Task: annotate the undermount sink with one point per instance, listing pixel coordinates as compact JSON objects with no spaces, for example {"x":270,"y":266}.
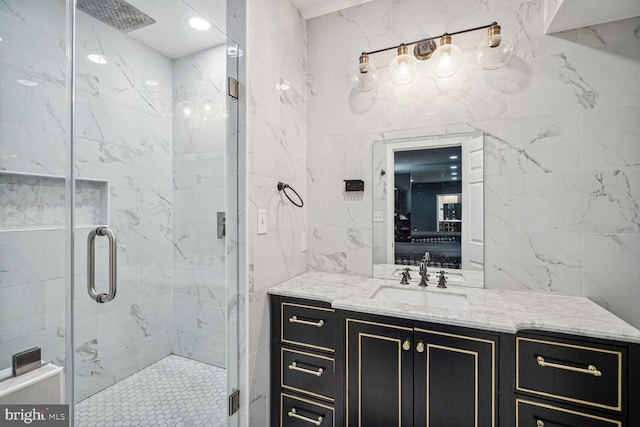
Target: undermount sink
{"x":423,"y":297}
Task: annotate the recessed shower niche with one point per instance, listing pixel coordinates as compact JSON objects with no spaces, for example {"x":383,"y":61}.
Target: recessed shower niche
{"x":34,"y":202}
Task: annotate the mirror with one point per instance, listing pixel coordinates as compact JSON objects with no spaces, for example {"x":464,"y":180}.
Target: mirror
{"x":428,"y":204}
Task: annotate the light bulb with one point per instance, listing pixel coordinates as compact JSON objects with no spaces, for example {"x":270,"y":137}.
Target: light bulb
{"x":365,"y":77}
{"x":207,"y":108}
{"x":403,"y":67}
{"x":447,"y":59}
{"x":495,"y":50}
{"x":186,"y":110}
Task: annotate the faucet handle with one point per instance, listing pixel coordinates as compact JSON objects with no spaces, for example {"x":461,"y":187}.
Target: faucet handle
{"x":442,"y":279}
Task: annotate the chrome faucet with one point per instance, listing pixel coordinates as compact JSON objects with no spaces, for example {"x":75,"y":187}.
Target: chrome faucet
{"x":423,"y":270}
{"x":442,"y":280}
{"x":405,"y":276}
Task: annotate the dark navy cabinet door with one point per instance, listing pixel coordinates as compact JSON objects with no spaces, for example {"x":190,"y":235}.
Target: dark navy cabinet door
{"x":455,"y":382}
{"x":379,"y":365}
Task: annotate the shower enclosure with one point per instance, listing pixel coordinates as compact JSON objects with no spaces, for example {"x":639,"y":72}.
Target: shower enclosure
{"x":118,"y":204}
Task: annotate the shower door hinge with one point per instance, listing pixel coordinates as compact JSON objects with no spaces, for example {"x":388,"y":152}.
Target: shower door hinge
{"x":233,"y":88}
{"x":234,"y":402}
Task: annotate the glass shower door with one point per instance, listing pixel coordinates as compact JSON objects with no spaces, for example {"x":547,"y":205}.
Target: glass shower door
{"x":155,"y":267}
{"x":34,"y":140}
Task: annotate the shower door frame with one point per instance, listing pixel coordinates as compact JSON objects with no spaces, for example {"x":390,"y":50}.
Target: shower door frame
{"x":234,"y":226}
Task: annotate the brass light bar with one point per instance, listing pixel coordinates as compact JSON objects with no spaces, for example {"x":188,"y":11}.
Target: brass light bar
{"x":429,"y":39}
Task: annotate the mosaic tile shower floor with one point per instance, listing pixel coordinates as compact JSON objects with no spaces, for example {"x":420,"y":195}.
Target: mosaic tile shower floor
{"x":172,"y":392}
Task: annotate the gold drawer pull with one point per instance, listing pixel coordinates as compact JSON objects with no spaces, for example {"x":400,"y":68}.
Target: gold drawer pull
{"x":294,"y":367}
{"x":294,"y":319}
{"x":539,"y":423}
{"x":590,"y":370}
{"x":420,"y":347}
{"x":293,"y":414}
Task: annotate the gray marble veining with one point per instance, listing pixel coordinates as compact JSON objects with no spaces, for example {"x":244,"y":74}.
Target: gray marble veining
{"x":489,"y":309}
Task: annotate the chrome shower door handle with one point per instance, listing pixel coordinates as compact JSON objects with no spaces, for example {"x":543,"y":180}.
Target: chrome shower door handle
{"x":91,"y":265}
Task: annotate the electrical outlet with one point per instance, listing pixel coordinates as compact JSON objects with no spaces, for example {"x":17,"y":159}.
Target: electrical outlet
{"x":262,"y":221}
{"x":303,"y":241}
{"x":378,"y":216}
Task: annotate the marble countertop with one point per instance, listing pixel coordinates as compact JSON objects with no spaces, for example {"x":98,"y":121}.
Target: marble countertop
{"x":488,"y":309}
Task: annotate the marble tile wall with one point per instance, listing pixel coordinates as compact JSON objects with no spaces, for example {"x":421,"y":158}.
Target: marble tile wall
{"x":123,"y":135}
{"x":32,"y":50}
{"x":562,"y":162}
{"x":277,"y":147}
{"x":200,"y":175}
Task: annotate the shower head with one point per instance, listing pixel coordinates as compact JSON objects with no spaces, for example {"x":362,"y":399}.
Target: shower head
{"x":116,"y":13}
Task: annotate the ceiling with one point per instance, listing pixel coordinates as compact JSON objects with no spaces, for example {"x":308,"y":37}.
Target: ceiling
{"x":429,"y":164}
{"x":312,"y":8}
{"x":172,"y":35}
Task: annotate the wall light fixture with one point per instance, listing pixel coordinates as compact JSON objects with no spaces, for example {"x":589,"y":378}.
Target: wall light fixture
{"x":365,"y":76}
{"x":494,"y":52}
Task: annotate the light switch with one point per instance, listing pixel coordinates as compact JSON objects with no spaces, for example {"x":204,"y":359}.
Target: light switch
{"x":378,"y":217}
{"x":303,"y":241}
{"x":262,"y":221}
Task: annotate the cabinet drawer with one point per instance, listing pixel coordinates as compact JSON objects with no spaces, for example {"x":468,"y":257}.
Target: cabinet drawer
{"x":307,"y":326}
{"x":534,"y":414}
{"x":308,"y":373}
{"x":297,"y":412}
{"x":588,"y":375}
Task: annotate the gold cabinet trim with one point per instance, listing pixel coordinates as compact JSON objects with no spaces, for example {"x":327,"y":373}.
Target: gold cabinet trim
{"x":570,"y":399}
{"x":312,"y":307}
{"x":384,"y":325}
{"x":615,"y":423}
{"x":379,"y":337}
{"x":457,"y":350}
{"x":317,"y":347}
{"x":300,"y":399}
{"x":283,"y":385}
{"x":446,"y":334}
{"x":348,"y":321}
{"x":493,"y":363}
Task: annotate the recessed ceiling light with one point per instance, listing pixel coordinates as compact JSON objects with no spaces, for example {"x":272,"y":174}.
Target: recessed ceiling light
{"x":199,"y":23}
{"x":151,"y":83}
{"x":28,"y":83}
{"x":453,"y":167}
{"x":411,"y":180}
{"x":454,"y":173}
{"x":455,"y":178}
{"x":453,"y":157}
{"x":97,"y":59}
{"x":1,"y":39}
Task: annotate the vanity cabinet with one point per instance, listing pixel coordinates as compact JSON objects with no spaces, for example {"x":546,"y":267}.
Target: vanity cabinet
{"x":563,"y":380}
{"x":418,"y":374}
{"x":341,"y":368}
{"x":304,"y":382}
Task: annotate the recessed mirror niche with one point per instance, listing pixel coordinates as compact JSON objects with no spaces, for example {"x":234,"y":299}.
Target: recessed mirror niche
{"x":428,"y":205}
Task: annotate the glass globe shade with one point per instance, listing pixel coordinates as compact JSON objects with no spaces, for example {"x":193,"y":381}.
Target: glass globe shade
{"x":365,"y":77}
{"x":446,"y":60}
{"x":403,"y":68}
{"x":494,"y":51}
